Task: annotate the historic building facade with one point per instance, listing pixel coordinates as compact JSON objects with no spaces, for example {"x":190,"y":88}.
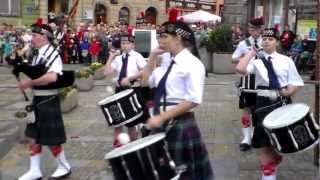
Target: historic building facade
{"x":24,"y":12}
{"x":275,"y":11}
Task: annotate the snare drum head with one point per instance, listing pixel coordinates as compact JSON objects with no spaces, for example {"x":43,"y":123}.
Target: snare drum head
{"x":114,"y":97}
{"x":135,"y":145}
{"x":285,"y":115}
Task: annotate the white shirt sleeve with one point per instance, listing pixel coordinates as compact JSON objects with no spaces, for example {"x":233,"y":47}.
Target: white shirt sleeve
{"x":239,"y":51}
{"x":293,"y":76}
{"x":152,"y":79}
{"x":251,"y":67}
{"x":115,"y":63}
{"x":195,"y":84}
{"x":141,"y":62}
{"x":56,"y":65}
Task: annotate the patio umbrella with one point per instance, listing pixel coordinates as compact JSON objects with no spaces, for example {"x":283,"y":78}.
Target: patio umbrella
{"x":200,"y":16}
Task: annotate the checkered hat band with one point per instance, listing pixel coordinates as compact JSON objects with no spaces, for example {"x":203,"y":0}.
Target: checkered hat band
{"x":268,"y":33}
{"x":183,"y":33}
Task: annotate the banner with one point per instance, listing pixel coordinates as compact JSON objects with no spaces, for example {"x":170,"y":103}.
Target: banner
{"x":307,"y":29}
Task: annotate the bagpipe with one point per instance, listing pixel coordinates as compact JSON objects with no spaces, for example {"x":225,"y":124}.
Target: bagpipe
{"x":65,"y":79}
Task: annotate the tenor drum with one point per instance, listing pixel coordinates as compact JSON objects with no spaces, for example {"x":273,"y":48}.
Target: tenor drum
{"x":121,"y":108}
{"x":247,"y":83}
{"x":144,"y":159}
{"x":292,"y":128}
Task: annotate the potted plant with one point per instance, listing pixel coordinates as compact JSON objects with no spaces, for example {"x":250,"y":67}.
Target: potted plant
{"x":98,"y":69}
{"x":205,"y":55}
{"x":68,"y":98}
{"x":219,"y":42}
{"x":84,"y":79}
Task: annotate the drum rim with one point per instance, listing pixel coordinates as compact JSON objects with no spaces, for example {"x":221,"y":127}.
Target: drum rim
{"x":134,"y":145}
{"x":270,"y":117}
{"x":114,"y":97}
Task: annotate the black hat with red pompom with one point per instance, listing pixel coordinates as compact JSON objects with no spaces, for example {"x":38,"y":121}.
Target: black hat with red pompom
{"x":176,"y":27}
{"x":42,"y":29}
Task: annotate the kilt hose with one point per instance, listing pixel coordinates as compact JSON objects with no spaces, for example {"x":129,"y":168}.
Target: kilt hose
{"x":48,"y":128}
{"x":187,"y":148}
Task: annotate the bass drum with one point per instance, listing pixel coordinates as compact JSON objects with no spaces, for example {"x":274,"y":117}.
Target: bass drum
{"x":144,"y":159}
{"x":121,"y":108}
{"x":292,"y":128}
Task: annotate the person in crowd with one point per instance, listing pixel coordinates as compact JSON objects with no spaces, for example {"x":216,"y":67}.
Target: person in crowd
{"x":286,"y":39}
{"x":47,"y":129}
{"x":179,"y":88}
{"x":237,"y":35}
{"x":94,"y":49}
{"x":277,"y":74}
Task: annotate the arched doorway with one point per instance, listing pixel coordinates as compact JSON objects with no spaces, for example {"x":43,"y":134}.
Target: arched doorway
{"x":151,"y":15}
{"x":124,"y":15}
{"x":100,"y":14}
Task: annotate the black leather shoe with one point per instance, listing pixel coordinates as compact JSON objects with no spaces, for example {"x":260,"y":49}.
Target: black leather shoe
{"x":244,"y":147}
{"x":60,"y":177}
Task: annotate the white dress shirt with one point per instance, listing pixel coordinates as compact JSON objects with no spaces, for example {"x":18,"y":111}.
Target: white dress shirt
{"x":44,"y":54}
{"x":283,"y":66}
{"x":135,"y":63}
{"x":185,"y":82}
{"x":243,"y":48}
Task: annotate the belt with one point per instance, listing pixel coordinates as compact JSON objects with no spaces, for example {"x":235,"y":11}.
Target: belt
{"x":272,"y":94}
{"x":169,"y":105}
{"x":45,"y":92}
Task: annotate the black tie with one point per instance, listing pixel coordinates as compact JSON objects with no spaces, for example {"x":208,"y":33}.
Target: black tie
{"x":273,"y":80}
{"x":123,"y":71}
{"x":161,"y":88}
{"x":256,"y":43}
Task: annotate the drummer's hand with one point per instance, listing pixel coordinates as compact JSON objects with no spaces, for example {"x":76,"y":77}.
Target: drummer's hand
{"x":24,"y":84}
{"x":113,"y":53}
{"x":284,"y":92}
{"x":157,"y":51}
{"x":154,"y":122}
{"x":125,"y":82}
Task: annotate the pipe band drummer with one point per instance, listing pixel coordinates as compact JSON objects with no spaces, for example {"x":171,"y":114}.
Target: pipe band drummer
{"x":179,"y":86}
{"x":277,"y":80}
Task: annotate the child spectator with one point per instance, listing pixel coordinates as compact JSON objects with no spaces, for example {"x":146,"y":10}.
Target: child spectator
{"x":94,"y":49}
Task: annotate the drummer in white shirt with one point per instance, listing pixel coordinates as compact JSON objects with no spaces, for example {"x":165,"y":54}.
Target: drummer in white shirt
{"x":127,"y":67}
{"x":277,"y":81}
{"x":247,"y":100}
{"x":179,"y":86}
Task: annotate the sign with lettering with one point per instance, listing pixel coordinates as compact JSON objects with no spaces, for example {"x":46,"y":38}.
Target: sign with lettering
{"x":191,"y":5}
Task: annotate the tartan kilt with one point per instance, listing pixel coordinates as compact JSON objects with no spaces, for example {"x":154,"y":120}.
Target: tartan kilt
{"x":187,"y":148}
{"x":260,"y":137}
{"x":143,"y":96}
{"x":48,"y":128}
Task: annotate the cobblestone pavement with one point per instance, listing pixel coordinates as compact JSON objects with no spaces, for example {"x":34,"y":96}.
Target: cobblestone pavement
{"x":89,"y":137}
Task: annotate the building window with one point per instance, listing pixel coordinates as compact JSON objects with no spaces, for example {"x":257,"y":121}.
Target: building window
{"x":124,"y":14}
{"x":10,"y":8}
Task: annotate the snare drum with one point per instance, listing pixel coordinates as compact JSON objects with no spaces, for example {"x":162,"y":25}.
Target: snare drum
{"x":121,"y":108}
{"x":145,"y":158}
{"x":291,"y":128}
{"x":247,"y":83}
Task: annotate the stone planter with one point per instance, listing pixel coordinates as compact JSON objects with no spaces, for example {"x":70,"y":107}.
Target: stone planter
{"x":222,"y":64}
{"x":84,"y":84}
{"x":69,"y":102}
{"x":99,"y":74}
{"x":206,"y":59}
